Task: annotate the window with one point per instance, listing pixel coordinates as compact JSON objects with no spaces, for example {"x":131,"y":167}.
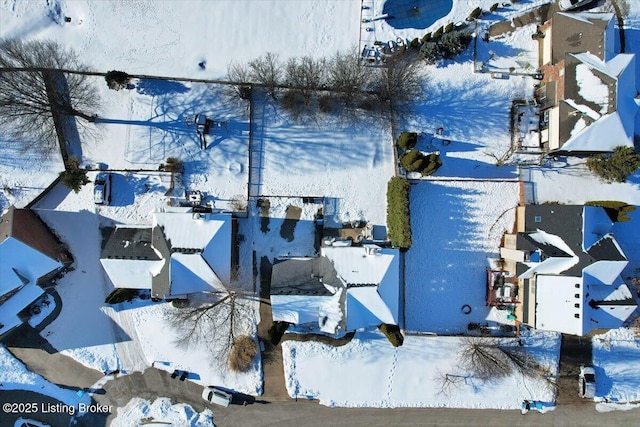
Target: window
{"x":577,"y":315}
{"x":576,"y":305}
{"x":577,"y":285}
{"x":576,"y":295}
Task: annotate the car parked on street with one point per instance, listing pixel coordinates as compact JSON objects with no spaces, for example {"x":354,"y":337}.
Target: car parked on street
{"x":587,"y":382}
{"x":102,"y":189}
{"x":215,"y":395}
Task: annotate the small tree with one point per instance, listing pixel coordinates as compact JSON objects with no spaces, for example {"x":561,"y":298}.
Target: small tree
{"x":615,"y":166}
{"x":243,"y":352}
{"x":117,"y":80}
{"x":239,"y":73}
{"x":73,"y":176}
{"x":347,"y":76}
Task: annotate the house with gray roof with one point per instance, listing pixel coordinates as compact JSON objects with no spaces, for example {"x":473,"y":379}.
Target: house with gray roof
{"x":589,"y":95}
{"x":566,"y":264}
{"x":345,"y":288}
{"x":181,"y":253}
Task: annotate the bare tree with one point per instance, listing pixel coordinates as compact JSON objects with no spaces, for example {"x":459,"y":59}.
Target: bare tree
{"x":347,"y":76}
{"x":306,"y":75}
{"x":486,"y":360}
{"x":399,"y":82}
{"x":215,"y":320}
{"x":267,"y":71}
{"x":238,"y":73}
{"x":37,"y":97}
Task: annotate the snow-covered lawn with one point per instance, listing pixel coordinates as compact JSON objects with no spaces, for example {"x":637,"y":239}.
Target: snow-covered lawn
{"x":15,"y":376}
{"x":176,"y":36}
{"x":616,"y":358}
{"x":456,"y":229}
{"x":161,"y":412}
{"x":370,"y":372}
{"x":349,"y":160}
{"x":569,"y":181}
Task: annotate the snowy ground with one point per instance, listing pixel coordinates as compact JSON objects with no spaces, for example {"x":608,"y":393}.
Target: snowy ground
{"x":456,"y":227}
{"x":370,"y":372}
{"x":616,"y":358}
{"x":161,"y":412}
{"x":177,"y":36}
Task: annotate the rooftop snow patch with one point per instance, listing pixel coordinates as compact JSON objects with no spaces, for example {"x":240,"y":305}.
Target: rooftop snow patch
{"x":591,"y":87}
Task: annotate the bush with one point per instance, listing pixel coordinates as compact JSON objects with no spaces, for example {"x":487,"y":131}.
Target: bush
{"x":415,"y":43}
{"x":616,"y":166}
{"x":326,"y":103}
{"x":430,"y":52}
{"x":493,"y":7}
{"x":449,"y":27}
{"x":415,"y":161}
{"x":293,"y":100}
{"x":393,"y":334}
{"x":407,"y":140}
{"x":426,"y":38}
{"x":617,"y":211}
{"x":117,"y":80}
{"x":398,"y":215}
{"x":475,"y":13}
{"x":438,"y":33}
{"x":276,"y":331}
{"x":243,"y":352}
{"x":120,"y":295}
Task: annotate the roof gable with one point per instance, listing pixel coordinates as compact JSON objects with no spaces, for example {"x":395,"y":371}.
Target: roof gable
{"x":19,"y":258}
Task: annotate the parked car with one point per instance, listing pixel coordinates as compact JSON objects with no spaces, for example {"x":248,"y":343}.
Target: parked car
{"x":102,"y":189}
{"x":572,"y":4}
{"x":587,"y":382}
{"x":24,"y":422}
{"x":215,"y":395}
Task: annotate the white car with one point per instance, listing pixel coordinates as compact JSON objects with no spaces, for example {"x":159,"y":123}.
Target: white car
{"x":24,"y":422}
{"x":572,"y":4}
{"x":217,"y":396}
{"x":102,"y":189}
{"x":587,"y":382}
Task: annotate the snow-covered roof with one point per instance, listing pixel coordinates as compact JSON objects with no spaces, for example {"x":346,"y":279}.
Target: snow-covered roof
{"x":190,"y":273}
{"x":131,"y":273}
{"x":595,"y":224}
{"x":19,"y":260}
{"x":11,"y":307}
{"x":611,"y":125}
{"x":372,"y":276}
{"x":604,"y":272}
{"x":297,"y":309}
{"x":552,"y":264}
{"x":588,"y":17}
{"x":209,"y":233}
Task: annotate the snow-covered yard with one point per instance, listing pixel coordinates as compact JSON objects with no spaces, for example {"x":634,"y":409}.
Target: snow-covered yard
{"x":456,"y":229}
{"x":370,"y":372}
{"x":161,"y":411}
{"x":616,"y":358}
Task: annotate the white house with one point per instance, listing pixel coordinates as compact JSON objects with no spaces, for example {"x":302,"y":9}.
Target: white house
{"x":182,"y":253}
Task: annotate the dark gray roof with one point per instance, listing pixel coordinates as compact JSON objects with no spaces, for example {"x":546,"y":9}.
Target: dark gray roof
{"x":303,"y":277}
{"x":571,"y":34}
{"x":130,"y":243}
{"x":562,"y":220}
{"x":606,"y":250}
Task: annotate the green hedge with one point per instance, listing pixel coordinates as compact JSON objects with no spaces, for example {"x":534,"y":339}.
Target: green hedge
{"x":617,"y":211}
{"x":393,"y":334}
{"x":398,"y":216}
{"x":415,"y":161}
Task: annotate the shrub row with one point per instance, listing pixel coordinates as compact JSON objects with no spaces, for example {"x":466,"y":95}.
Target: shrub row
{"x":407,"y":140}
{"x":398,"y":216}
